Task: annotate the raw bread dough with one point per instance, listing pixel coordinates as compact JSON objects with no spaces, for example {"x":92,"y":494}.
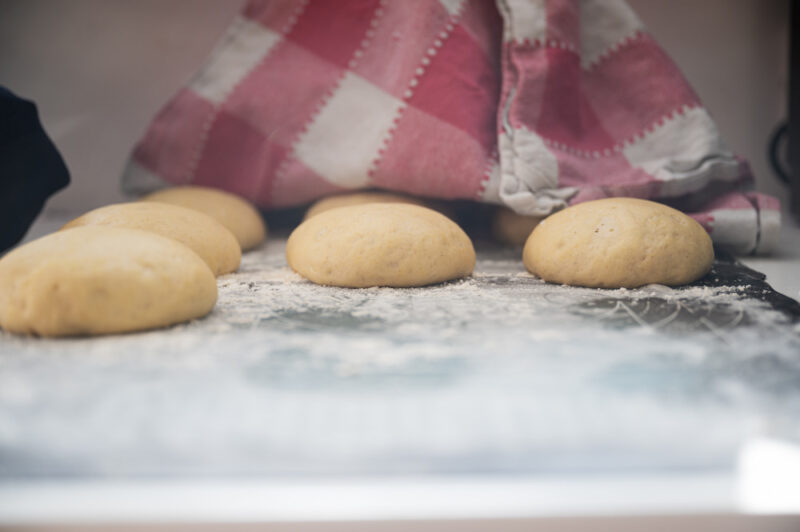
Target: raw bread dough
{"x":380,"y":244}
{"x":99,"y":280}
{"x":511,"y":228}
{"x":619,"y":242}
{"x":359,"y":198}
{"x":204,"y":235}
{"x":235,"y":213}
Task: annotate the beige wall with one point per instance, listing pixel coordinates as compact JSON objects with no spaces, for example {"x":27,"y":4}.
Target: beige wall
{"x":735,"y":55}
{"x":99,"y":69}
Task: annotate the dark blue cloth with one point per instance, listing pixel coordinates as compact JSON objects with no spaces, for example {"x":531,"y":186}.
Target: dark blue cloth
{"x":31,"y":169}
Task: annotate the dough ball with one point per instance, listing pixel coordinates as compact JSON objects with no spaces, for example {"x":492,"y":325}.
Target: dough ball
{"x":202,"y":234}
{"x":511,"y":228}
{"x":235,"y":213}
{"x":99,"y":280}
{"x":619,"y":242}
{"x":359,"y":198}
{"x":380,"y":244}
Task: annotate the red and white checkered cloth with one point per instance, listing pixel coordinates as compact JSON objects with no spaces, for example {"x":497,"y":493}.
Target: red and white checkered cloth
{"x":531,"y":103}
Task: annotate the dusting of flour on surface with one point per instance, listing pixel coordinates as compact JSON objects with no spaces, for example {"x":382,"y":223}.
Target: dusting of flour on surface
{"x":499,"y":372}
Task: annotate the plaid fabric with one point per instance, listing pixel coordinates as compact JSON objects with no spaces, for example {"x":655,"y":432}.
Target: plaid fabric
{"x":530,"y":103}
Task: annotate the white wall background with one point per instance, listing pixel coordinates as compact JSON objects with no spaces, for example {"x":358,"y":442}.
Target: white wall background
{"x":99,"y":70}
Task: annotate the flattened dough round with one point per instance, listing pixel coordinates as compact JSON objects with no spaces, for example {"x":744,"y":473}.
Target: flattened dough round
{"x":511,"y":228}
{"x":359,"y":198}
{"x":201,"y":233}
{"x":100,"y":280}
{"x":380,"y":244}
{"x":619,"y":242}
{"x":235,"y":213}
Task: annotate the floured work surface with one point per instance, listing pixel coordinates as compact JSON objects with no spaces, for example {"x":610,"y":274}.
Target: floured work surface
{"x":500,"y":373}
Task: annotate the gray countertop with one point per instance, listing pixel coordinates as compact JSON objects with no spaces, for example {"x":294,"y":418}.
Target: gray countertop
{"x":499,"y":378}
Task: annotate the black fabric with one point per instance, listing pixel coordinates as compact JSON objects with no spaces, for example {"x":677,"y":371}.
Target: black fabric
{"x":31,"y":169}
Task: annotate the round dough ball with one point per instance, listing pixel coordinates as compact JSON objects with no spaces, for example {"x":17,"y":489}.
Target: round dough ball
{"x":511,"y":228}
{"x":202,"y":234}
{"x":380,"y":244}
{"x":100,"y":280}
{"x":619,"y":242}
{"x":235,"y":213}
{"x":359,"y":198}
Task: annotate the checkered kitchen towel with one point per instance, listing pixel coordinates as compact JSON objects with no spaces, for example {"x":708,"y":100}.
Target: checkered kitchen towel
{"x":535,"y":104}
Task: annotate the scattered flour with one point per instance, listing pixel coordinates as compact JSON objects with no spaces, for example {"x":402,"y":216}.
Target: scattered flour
{"x":497,"y":372}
